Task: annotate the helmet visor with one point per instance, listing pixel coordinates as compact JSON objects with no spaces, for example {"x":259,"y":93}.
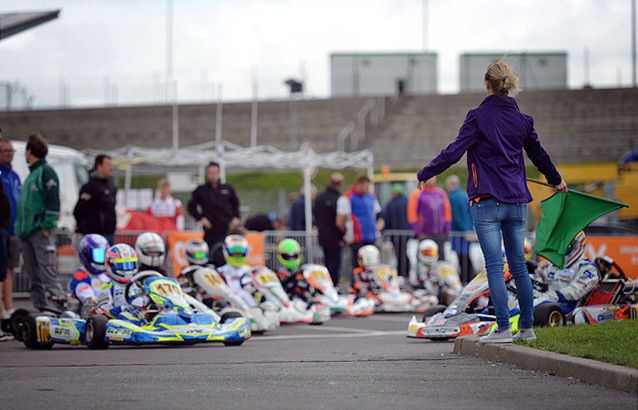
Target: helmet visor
{"x":98,"y":255}
{"x":289,"y":256}
{"x":199,"y":255}
{"x":124,"y":264}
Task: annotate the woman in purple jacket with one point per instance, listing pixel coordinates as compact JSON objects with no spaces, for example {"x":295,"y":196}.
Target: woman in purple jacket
{"x":494,"y":136}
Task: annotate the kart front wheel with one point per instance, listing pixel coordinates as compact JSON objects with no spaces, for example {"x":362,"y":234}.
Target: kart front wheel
{"x":549,"y":314}
{"x":95,"y":332}
{"x":32,"y":337}
{"x":233,"y":343}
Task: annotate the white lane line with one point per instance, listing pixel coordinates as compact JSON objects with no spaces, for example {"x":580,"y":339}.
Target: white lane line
{"x":390,"y":318}
{"x":329,"y":336}
{"x":335,"y":328}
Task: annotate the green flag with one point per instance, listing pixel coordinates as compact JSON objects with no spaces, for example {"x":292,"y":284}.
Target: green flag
{"x":564,"y":215}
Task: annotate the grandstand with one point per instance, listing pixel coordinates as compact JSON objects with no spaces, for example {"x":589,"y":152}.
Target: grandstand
{"x":588,"y":125}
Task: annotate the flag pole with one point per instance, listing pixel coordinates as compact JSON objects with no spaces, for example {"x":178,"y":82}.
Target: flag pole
{"x":539,"y":182}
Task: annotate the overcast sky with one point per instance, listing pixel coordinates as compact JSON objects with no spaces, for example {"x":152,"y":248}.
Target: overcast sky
{"x":114,"y":51}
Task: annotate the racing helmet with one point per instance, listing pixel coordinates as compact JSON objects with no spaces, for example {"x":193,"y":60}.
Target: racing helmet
{"x":150,"y":249}
{"x":428,"y":251}
{"x":289,"y":253}
{"x":369,"y":257}
{"x":575,"y":250}
{"x":92,"y":253}
{"x":235,"y":250}
{"x":121,"y":262}
{"x":196,"y":252}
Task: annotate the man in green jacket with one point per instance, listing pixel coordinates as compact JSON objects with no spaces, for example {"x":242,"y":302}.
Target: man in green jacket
{"x":38,"y":210}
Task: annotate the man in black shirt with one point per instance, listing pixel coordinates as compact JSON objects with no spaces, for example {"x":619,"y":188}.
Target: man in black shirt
{"x":216,"y":205}
{"x":95,"y":209}
{"x":330,"y":237}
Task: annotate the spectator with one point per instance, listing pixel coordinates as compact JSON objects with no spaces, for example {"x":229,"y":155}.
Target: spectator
{"x":461,"y":226}
{"x":494,"y":136}
{"x":216,"y":205}
{"x":95,"y":210}
{"x":165,"y":206}
{"x":285,"y":216}
{"x":298,"y":210}
{"x":359,"y":216}
{"x":434,"y":215}
{"x":38,"y":211}
{"x":264,"y":222}
{"x":330,"y":236}
{"x":5,"y":240}
{"x":395,"y":216}
{"x":12,"y":186}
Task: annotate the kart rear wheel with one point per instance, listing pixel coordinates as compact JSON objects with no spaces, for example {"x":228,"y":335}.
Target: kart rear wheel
{"x":549,"y":314}
{"x":95,"y":332}
{"x":29,"y":334}
{"x":431,"y":311}
{"x":13,"y":325}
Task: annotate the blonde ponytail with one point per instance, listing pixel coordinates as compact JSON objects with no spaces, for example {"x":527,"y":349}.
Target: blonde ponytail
{"x":502,"y":79}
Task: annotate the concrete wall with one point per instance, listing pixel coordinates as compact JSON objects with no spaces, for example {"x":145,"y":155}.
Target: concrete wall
{"x":574,"y":126}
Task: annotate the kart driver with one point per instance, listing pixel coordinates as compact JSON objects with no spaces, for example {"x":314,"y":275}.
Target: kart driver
{"x":90,"y":284}
{"x":121,"y":265}
{"x":150,"y":250}
{"x":574,"y":281}
{"x":197,"y":256}
{"x":290,"y":272}
{"x":236,"y":273}
{"x":369,"y":259}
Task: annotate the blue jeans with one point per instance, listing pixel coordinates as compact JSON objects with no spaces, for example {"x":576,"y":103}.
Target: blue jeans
{"x":491,"y":217}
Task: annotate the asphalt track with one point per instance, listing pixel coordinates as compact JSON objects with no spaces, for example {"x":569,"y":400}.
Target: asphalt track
{"x":348,"y":363}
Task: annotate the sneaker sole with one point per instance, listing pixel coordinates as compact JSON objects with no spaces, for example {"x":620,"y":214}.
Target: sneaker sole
{"x":497,"y":341}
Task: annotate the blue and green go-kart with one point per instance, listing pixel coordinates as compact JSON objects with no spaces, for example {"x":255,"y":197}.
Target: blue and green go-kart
{"x":167,"y":316}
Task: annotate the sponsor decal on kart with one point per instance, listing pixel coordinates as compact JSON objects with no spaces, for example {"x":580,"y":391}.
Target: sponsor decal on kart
{"x":118,"y":334}
{"x":440,"y":330}
{"x":62,"y":332}
{"x":43,"y":334}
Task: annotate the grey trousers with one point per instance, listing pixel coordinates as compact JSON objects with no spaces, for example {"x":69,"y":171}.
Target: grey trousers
{"x":39,"y":254}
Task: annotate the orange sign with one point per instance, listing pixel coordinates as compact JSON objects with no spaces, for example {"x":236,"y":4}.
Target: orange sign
{"x":177,"y":239}
{"x":622,"y":249}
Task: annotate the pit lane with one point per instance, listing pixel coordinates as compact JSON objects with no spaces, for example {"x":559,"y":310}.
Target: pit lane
{"x":347,"y":363}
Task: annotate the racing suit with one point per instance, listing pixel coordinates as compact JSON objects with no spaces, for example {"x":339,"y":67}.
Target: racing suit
{"x":295,"y":284}
{"x":569,"y":285}
{"x":239,"y":280}
{"x":363,"y":283}
{"x":98,"y":290}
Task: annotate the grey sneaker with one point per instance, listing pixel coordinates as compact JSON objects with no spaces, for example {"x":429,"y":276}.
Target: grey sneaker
{"x":5,"y":337}
{"x":525,"y":334}
{"x":498,"y":336}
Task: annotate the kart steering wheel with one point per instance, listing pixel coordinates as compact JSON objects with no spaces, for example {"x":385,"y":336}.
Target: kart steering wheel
{"x":138,"y":278}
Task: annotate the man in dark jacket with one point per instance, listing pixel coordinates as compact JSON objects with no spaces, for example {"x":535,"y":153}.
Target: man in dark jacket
{"x":95,"y":210}
{"x":395,"y":216}
{"x":330,"y":237}
{"x":216,"y":205}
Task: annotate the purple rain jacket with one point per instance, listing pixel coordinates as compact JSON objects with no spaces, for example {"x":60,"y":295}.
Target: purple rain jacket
{"x":494,"y":136}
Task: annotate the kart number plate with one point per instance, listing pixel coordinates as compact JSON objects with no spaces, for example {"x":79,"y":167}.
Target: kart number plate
{"x":440,"y":330}
{"x":213,"y":279}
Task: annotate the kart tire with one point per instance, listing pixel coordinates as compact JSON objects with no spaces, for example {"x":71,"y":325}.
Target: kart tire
{"x":433,"y":310}
{"x":29,"y":334}
{"x":549,"y":314}
{"x":95,"y":332}
{"x":229,"y":315}
{"x":14,"y":323}
{"x":233,"y":343}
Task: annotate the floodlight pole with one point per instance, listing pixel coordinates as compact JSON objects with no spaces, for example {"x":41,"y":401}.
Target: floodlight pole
{"x":175,"y":117}
{"x":253,"y":116}
{"x":169,"y":48}
{"x":633,"y":43}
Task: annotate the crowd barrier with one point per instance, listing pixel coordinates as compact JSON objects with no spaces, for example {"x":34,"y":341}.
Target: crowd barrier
{"x":398,"y":249}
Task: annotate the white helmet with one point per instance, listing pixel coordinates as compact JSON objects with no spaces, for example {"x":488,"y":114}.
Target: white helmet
{"x":150,"y":249}
{"x":369,"y":257}
{"x":196,"y":252}
{"x":428,"y":251}
{"x":576,"y":249}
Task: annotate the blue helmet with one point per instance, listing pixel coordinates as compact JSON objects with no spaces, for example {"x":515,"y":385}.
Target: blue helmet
{"x":121,"y":262}
{"x":92,"y":253}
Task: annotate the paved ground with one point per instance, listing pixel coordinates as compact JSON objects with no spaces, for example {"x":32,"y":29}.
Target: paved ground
{"x":349,"y":363}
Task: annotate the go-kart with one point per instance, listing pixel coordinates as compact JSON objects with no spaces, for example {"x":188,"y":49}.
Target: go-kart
{"x":319,"y":279}
{"x":267,"y":284}
{"x":388,"y":296}
{"x":466,"y":315}
{"x":167,"y":317}
{"x":440,"y":279}
{"x":614,"y":297}
{"x":207,"y":285}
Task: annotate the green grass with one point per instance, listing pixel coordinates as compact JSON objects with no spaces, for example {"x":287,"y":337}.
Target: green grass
{"x":610,"y":342}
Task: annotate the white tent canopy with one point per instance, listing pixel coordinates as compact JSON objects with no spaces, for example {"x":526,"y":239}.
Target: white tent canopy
{"x":229,"y":155}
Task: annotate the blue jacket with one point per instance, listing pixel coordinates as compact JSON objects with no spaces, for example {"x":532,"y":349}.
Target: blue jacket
{"x":461,"y":217}
{"x":494,"y":136}
{"x":395,"y":214}
{"x":12,"y":185}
